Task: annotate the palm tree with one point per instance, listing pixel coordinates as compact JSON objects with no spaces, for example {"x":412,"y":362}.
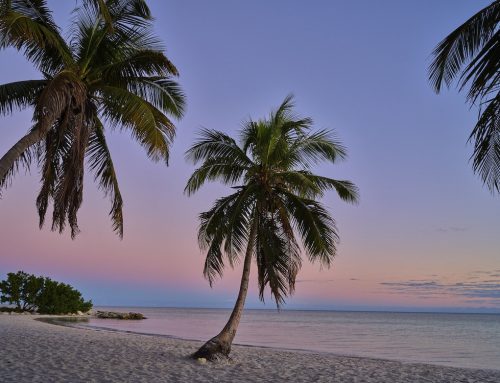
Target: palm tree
{"x":110,"y":72}
{"x":471,"y":53}
{"x":275,"y":201}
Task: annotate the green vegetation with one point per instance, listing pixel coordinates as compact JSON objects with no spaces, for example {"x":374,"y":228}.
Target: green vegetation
{"x":30,"y":293}
{"x":111,"y":71}
{"x":21,"y":290}
{"x":275,"y":204}
{"x":471,"y":53}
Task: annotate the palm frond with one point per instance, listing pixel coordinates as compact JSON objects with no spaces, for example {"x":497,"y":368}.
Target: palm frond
{"x":142,"y":63}
{"x":101,"y":164}
{"x":486,"y":136}
{"x":300,"y":182}
{"x":163,"y":92}
{"x":284,"y":112}
{"x":108,"y":32}
{"x":291,"y":125}
{"x":147,"y":124}
{"x":239,"y":217}
{"x":315,"y":226}
{"x":222,"y":160}
{"x":248,"y":135}
{"x":68,"y":190}
{"x":56,"y":146}
{"x":215,"y":229}
{"x":272,"y":260}
{"x":119,"y":14}
{"x":19,"y":94}
{"x":310,"y":185}
{"x":316,"y":147}
{"x":216,"y":144}
{"x":346,"y":190}
{"x":99,"y":7}
{"x":462,"y":44}
{"x":87,"y":33}
{"x":277,"y":256}
{"x":126,"y":13}
{"x":35,"y":9}
{"x":28,"y":26}
{"x":483,"y":71}
{"x":223,"y":169}
{"x":23,"y":161}
{"x":474,"y":49}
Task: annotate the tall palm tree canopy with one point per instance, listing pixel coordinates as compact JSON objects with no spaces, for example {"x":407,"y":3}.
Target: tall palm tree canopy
{"x":110,"y":72}
{"x":275,"y":200}
{"x":471,"y":53}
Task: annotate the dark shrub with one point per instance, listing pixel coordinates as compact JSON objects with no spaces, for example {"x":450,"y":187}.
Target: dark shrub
{"x":29,"y":293}
{"x":57,"y":298}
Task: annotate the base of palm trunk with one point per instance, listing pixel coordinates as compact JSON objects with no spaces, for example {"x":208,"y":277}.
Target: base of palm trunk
{"x":214,"y":350}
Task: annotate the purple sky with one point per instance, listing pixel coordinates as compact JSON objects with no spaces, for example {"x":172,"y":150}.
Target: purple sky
{"x":425,"y":234}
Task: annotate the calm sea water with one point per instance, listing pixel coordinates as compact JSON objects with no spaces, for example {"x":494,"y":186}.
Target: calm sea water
{"x":461,"y":340}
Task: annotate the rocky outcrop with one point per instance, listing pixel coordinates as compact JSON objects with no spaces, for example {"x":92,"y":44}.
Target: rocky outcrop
{"x":116,"y":315}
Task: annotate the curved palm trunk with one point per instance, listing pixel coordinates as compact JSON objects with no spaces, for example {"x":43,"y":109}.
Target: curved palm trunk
{"x":220,"y":345}
{"x":8,"y":160}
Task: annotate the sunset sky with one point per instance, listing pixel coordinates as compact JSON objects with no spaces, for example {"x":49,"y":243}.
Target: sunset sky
{"x":425,"y":235}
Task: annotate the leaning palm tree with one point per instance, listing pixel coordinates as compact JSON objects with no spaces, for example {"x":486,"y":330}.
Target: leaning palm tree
{"x":274,"y":204}
{"x":111,"y":72}
{"x":471,"y":53}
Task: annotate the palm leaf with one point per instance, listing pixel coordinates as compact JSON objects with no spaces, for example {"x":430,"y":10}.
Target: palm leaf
{"x":28,"y":26}
{"x":310,"y":185}
{"x":56,"y":146}
{"x":223,"y":169}
{"x":101,"y":164}
{"x":163,"y":92}
{"x":483,"y":70}
{"x":212,"y":233}
{"x":486,"y":156}
{"x":19,"y":95}
{"x":462,"y":44}
{"x":215,"y":144}
{"x":277,"y":255}
{"x":68,"y":190}
{"x":315,"y":226}
{"x":22,"y":162}
{"x":138,"y":64}
{"x":148,"y":125}
{"x":119,"y":14}
{"x":316,"y":147}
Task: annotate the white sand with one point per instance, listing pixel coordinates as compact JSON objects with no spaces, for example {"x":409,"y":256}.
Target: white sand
{"x":32,"y":351}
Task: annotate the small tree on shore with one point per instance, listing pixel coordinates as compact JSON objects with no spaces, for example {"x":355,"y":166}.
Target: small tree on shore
{"x":29,"y":293}
{"x":21,"y":289}
{"x":57,"y":298}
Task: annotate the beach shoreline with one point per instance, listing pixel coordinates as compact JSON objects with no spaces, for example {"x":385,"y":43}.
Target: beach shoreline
{"x":36,"y":351}
{"x":79,"y":322}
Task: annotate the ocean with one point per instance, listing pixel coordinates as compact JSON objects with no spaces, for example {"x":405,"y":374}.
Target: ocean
{"x":459,"y":340}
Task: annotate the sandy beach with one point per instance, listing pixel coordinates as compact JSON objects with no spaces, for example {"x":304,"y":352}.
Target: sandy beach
{"x":34,"y":351}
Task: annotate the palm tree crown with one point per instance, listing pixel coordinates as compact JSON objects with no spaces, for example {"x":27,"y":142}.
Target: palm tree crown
{"x":471,"y":53}
{"x":275,"y":198}
{"x":111,"y":71}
